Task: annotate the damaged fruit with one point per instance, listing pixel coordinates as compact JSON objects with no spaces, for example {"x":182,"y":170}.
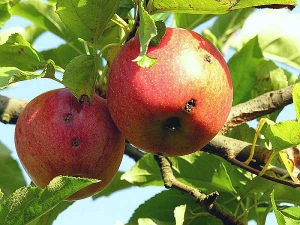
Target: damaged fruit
{"x":178,"y":105}
{"x":57,"y":135}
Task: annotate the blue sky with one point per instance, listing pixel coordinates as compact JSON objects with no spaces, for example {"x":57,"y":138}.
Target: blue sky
{"x":105,"y":210}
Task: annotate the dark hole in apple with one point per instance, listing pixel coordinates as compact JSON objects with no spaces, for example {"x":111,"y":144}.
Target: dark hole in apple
{"x":75,"y":142}
{"x":172,"y":124}
{"x":68,"y":117}
{"x":208,"y":58}
{"x":188,"y":107}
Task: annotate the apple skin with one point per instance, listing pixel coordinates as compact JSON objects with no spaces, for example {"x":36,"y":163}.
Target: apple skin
{"x":178,"y":105}
{"x":56,"y":135}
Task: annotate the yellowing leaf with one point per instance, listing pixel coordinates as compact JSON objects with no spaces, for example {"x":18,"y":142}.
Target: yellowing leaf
{"x":291,"y":160}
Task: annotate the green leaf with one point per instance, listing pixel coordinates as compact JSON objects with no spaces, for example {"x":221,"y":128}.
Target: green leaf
{"x":43,"y":15}
{"x":161,"y":31}
{"x":283,"y":135}
{"x":87,"y":19}
{"x":269,"y":78}
{"x":161,"y":207}
{"x":111,"y":35}
{"x":190,"y":21}
{"x":11,"y":176}
{"x":145,"y":61}
{"x":147,"y":31}
{"x":287,"y":215}
{"x":9,"y":75}
{"x":4,"y":12}
{"x":80,"y":77}
{"x":28,"y":203}
{"x":115,"y":185}
{"x":296,"y":99}
{"x":279,"y":216}
{"x":63,"y":54}
{"x":283,"y":193}
{"x":209,"y":6}
{"x":210,"y":173}
{"x":183,"y":215}
{"x":32,"y":32}
{"x":242,"y":66}
{"x":225,"y":25}
{"x":243,"y":132}
{"x":291,"y":215}
{"x":144,"y":173}
{"x":49,"y":217}
{"x":277,"y":34}
{"x":17,"y":52}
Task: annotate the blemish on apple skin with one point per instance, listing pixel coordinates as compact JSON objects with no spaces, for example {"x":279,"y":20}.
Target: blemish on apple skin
{"x":172,"y":124}
{"x":208,"y":58}
{"x":75,"y":142}
{"x":68,"y":117}
{"x":189,"y":106}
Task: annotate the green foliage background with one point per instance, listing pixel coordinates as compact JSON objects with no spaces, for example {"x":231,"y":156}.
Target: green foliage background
{"x":261,"y":58}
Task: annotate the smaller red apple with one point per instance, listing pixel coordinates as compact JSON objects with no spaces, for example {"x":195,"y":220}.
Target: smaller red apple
{"x":56,"y":135}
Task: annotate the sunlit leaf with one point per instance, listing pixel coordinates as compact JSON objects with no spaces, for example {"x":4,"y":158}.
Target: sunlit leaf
{"x":279,"y":216}
{"x":64,"y":53}
{"x":165,"y":203}
{"x":296,"y":99}
{"x":80,"y":77}
{"x":283,"y":135}
{"x":147,"y":31}
{"x":42,"y":14}
{"x":243,"y":67}
{"x":4,"y":12}
{"x":190,"y":21}
{"x":50,"y":216}
{"x":9,"y":168}
{"x":225,"y":25}
{"x":87,"y":19}
{"x":277,"y":35}
{"x":209,"y":6}
{"x":9,"y":75}
{"x":291,"y":160}
{"x":28,"y":203}
{"x":17,"y":52}
{"x":209,"y":172}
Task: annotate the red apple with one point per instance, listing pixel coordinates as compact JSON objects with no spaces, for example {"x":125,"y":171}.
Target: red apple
{"x":177,"y":106}
{"x":56,"y":135}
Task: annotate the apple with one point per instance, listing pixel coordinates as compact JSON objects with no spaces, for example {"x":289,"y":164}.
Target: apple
{"x":57,"y":135}
{"x":178,"y":105}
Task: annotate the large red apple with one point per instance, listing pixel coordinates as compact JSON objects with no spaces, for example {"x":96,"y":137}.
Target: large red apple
{"x":178,"y":105}
{"x":57,"y":135}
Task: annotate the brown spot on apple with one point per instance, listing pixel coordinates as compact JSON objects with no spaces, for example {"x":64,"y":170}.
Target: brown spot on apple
{"x":188,"y":107}
{"x":68,"y":117}
{"x":208,"y":58}
{"x":75,"y":142}
{"x":172,"y":124}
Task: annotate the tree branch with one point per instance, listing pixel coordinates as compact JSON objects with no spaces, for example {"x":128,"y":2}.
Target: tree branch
{"x":208,"y":202}
{"x":133,"y":152}
{"x":257,"y":107}
{"x":10,"y":109}
{"x":236,"y":152}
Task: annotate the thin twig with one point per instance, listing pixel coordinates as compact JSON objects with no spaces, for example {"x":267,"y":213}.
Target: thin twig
{"x":208,"y":202}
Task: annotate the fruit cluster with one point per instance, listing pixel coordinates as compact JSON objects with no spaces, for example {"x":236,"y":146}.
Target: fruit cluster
{"x":174,"y":108}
